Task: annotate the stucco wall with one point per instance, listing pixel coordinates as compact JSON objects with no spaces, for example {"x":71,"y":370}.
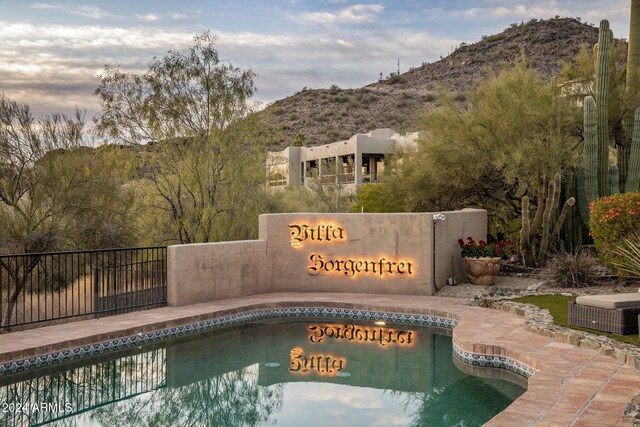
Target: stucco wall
{"x":368,"y":253}
{"x":212,"y":271}
{"x":397,"y":237}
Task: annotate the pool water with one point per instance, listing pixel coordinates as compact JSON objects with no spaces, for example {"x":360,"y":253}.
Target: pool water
{"x":311,"y":373}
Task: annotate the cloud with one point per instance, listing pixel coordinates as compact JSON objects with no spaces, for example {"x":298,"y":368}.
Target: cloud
{"x":93,"y":12}
{"x":542,"y":9}
{"x":356,"y":14}
{"x":149,"y":17}
{"x":55,"y":67}
{"x":386,"y":420}
{"x":178,"y":16}
{"x":364,"y":398}
{"x":46,"y":6}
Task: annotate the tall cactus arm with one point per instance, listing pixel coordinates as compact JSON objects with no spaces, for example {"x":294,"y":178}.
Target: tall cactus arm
{"x":556,"y":196}
{"x":528,"y":257}
{"x":602,"y":116}
{"x":633,"y":173}
{"x":613,"y":179}
{"x":524,"y":241}
{"x":581,"y":195}
{"x":633,"y":47}
{"x":633,"y":74}
{"x":590,"y":150}
{"x":537,"y":219}
{"x":561,"y":219}
{"x":546,"y":222}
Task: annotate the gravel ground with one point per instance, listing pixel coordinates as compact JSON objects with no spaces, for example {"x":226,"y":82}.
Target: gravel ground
{"x":513,"y":284}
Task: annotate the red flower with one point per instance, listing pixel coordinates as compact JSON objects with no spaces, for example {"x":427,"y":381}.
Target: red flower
{"x":461,"y":242}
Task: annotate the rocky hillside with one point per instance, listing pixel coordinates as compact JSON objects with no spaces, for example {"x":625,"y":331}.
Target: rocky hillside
{"x":328,"y":115}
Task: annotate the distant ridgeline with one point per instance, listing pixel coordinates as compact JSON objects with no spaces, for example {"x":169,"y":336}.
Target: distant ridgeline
{"x":323,"y":116}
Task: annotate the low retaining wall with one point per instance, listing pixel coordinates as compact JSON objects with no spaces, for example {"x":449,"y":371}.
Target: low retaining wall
{"x":311,"y":252}
{"x":212,"y":271}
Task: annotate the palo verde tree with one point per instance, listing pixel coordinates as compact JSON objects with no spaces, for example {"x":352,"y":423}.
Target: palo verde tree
{"x":209,"y":168}
{"x":55,"y":194}
{"x":490,"y":152}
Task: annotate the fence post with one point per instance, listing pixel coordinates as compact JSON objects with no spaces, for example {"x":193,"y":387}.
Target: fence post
{"x":96,"y":288}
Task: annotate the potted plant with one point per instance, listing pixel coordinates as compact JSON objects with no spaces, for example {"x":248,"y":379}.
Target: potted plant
{"x":482,"y":259}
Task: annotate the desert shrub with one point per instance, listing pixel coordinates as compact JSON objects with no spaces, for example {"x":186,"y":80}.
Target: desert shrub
{"x":299,"y":140}
{"x":333,"y":135}
{"x":508,"y":230}
{"x":572,"y":269}
{"x":394,"y":79}
{"x":322,"y":117}
{"x":360,"y":120}
{"x":613,"y":219}
{"x":625,"y":257}
{"x":430,"y":97}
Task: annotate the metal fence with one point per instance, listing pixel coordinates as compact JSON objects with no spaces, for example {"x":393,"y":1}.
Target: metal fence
{"x":43,"y":288}
{"x":52,"y":397}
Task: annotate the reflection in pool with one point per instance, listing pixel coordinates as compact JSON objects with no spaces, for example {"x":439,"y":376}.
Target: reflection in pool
{"x":284,"y":373}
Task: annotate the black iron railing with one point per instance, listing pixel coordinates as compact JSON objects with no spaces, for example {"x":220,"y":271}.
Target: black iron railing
{"x":42,"y":288}
{"x":52,"y":397}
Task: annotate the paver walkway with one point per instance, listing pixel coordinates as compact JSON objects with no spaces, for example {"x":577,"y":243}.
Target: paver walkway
{"x":572,"y":385}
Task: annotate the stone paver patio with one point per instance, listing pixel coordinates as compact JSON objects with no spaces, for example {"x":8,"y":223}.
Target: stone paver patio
{"x":572,"y":385}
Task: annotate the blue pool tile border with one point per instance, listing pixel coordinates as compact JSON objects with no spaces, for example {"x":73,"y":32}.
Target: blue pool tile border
{"x":492,"y":361}
{"x":257,"y":315}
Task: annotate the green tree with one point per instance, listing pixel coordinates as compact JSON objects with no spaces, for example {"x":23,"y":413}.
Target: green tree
{"x":208,"y":171}
{"x":231,"y":399}
{"x":55,"y":194}
{"x":326,"y":193}
{"x":299,"y":140}
{"x":514,"y":129}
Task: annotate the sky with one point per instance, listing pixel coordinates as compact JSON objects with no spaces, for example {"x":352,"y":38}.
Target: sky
{"x":53,"y":52}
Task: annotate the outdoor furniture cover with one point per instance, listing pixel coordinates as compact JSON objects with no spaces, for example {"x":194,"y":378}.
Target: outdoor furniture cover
{"x":617,"y":313}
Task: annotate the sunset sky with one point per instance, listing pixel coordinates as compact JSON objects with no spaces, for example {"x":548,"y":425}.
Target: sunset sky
{"x":51,"y":53}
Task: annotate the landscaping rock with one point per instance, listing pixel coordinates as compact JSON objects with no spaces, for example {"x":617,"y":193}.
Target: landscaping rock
{"x":625,"y":284}
{"x":539,"y":286}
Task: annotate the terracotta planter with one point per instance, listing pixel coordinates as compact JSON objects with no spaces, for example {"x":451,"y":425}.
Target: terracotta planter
{"x":482,"y":271}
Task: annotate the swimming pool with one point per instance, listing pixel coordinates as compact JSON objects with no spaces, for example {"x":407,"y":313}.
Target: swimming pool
{"x":302,"y":372}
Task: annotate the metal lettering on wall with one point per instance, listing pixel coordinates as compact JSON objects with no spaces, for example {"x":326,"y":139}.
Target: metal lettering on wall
{"x":349,"y":266}
{"x":360,"y":334}
{"x":319,"y":364}
{"x":319,"y":233}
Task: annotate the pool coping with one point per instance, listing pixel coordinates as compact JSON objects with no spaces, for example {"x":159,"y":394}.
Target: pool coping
{"x":568,"y":385}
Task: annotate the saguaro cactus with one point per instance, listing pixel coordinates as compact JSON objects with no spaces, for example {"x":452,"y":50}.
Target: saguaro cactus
{"x":598,"y":174}
{"x":633,"y":74}
{"x":605,"y":40}
{"x":536,"y":239}
{"x":591,"y":176}
{"x":633,"y":167}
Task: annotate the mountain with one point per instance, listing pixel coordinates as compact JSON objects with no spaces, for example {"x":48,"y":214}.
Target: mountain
{"x":328,"y":115}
